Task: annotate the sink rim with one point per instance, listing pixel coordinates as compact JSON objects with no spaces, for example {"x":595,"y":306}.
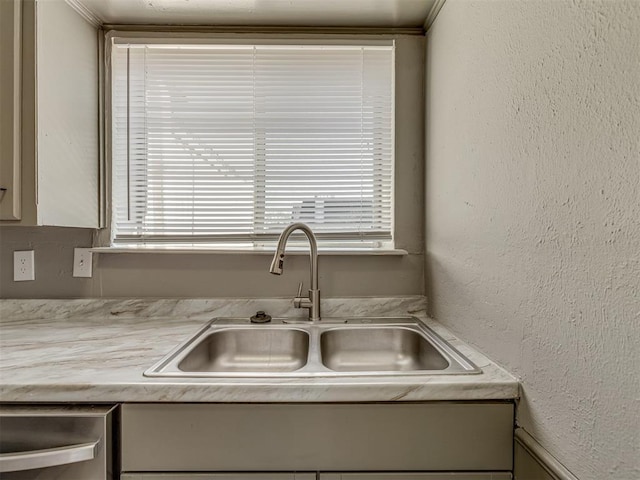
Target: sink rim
{"x":314,"y":367}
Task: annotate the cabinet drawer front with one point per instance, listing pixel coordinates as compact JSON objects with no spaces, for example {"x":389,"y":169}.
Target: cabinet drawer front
{"x":417,"y":476}
{"x":314,"y":437}
{"x":218,"y":476}
{"x":322,"y":476}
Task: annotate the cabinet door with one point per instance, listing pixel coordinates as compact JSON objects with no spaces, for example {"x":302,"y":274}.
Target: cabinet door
{"x":49,"y":119}
{"x":395,"y":437}
{"x":418,"y":476}
{"x":10,"y":95}
{"x":218,"y":476}
{"x":67,"y":119}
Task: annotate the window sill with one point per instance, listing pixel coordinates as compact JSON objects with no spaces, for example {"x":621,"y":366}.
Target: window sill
{"x":326,"y":251}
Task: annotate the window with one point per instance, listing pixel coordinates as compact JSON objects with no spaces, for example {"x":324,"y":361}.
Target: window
{"x":229,"y":143}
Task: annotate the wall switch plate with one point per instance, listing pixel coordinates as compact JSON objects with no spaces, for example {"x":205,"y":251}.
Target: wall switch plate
{"x":23,"y":266}
{"x":82,"y":262}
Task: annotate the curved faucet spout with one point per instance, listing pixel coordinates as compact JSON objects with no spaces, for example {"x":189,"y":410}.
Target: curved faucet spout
{"x":277,"y":266}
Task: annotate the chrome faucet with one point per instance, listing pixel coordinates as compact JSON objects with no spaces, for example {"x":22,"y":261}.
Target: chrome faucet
{"x":312,"y":302}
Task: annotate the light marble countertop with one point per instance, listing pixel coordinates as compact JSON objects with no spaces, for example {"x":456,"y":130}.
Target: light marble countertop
{"x":96,"y":350}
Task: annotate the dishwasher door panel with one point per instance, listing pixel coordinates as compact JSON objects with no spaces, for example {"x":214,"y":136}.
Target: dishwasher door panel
{"x":61,"y":443}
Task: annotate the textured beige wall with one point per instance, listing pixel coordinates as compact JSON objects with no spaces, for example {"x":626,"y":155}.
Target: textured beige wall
{"x":533,"y":211}
{"x":209,"y":275}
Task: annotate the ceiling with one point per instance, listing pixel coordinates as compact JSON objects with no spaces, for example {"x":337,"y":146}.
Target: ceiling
{"x":290,"y":13}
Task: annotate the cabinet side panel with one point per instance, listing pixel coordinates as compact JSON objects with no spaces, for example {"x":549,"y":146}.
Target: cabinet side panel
{"x":10,"y":87}
{"x":527,"y":468}
{"x":27,"y":120}
{"x":67,"y":123}
{"x":315,"y":437}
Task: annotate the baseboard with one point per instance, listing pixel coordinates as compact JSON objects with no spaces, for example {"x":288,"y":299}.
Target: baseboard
{"x":533,"y":462}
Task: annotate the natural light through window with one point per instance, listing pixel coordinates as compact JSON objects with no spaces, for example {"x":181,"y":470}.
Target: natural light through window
{"x":228,"y":144}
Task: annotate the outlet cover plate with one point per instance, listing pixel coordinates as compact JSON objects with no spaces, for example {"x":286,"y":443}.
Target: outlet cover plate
{"x":82,"y":260}
{"x":23,"y":266}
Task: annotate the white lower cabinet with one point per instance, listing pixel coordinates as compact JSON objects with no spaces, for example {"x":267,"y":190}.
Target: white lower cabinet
{"x":406,"y":441}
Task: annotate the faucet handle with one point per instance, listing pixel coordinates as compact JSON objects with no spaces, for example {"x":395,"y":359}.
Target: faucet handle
{"x":299,"y":289}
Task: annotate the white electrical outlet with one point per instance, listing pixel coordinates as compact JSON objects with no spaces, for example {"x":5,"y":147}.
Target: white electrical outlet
{"x":82,"y":260}
{"x":23,"y":267}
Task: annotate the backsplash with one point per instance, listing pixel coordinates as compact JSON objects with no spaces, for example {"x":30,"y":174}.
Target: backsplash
{"x":204,"y":308}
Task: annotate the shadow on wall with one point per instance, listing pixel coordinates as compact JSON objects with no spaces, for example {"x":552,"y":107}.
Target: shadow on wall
{"x":430,"y":285}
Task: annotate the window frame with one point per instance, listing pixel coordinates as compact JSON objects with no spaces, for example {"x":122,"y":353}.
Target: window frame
{"x":401,"y":244}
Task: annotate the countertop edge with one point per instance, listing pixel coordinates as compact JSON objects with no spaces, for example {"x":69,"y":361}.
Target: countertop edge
{"x":68,"y":363}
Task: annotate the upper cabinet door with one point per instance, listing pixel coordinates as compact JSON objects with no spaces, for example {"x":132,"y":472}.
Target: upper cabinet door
{"x":10,"y":96}
{"x":67,"y":116}
{"x":50,"y":116}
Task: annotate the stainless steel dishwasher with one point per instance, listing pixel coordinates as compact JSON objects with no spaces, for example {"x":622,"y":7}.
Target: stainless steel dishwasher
{"x":62,"y":443}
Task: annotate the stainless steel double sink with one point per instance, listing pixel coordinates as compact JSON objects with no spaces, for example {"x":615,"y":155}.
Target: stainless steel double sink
{"x":232,"y":347}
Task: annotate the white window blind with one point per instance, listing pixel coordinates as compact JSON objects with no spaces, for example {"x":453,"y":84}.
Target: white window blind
{"x":231,"y":143}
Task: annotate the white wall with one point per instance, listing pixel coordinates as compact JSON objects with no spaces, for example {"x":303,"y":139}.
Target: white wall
{"x":533,"y":211}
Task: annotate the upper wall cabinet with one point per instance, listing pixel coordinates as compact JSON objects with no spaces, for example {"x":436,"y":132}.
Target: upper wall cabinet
{"x":60,"y":118}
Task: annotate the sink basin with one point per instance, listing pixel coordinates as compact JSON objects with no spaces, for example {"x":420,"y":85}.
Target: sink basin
{"x":383,"y":349}
{"x":248,"y":350}
{"x":372,"y":346}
